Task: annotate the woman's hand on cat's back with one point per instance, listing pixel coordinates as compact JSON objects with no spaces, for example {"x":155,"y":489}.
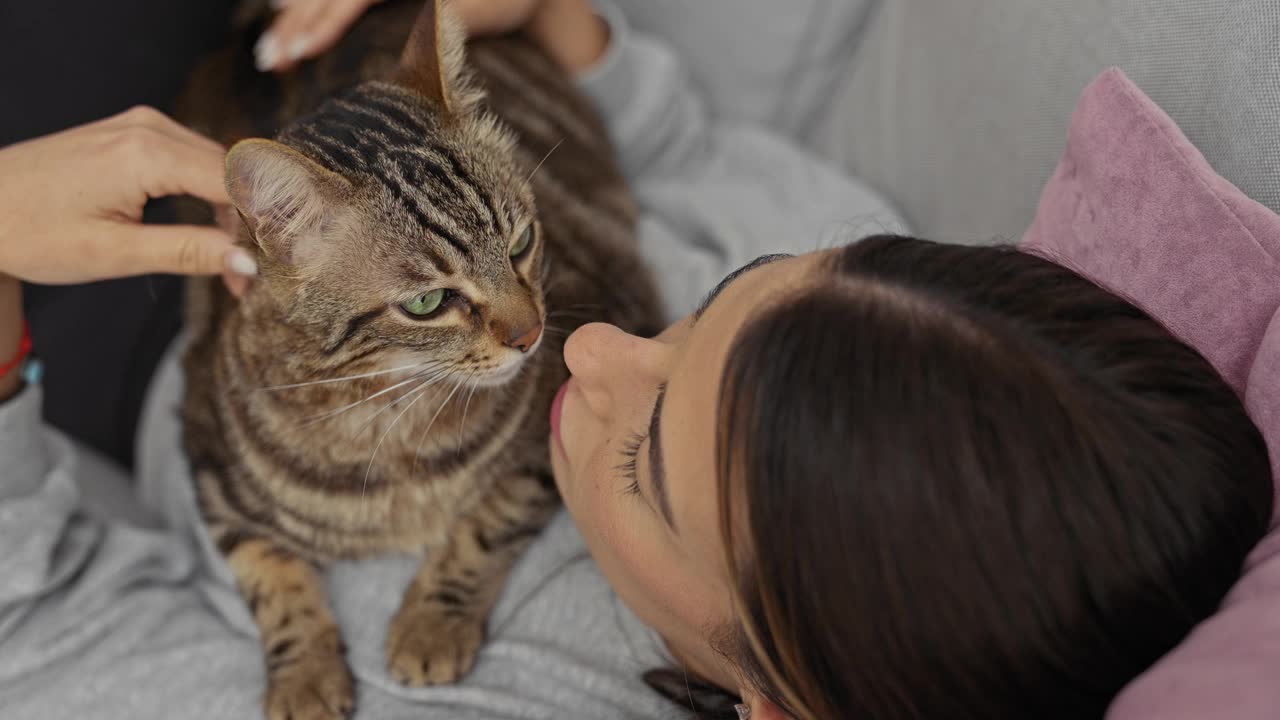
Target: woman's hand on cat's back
{"x":71,"y":203}
{"x":303,"y":29}
{"x":567,"y":29}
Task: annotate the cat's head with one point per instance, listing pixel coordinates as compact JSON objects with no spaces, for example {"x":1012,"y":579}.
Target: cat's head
{"x":394,"y":225}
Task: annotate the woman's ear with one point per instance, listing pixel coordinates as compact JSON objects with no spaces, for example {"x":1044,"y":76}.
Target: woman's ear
{"x":757,"y":707}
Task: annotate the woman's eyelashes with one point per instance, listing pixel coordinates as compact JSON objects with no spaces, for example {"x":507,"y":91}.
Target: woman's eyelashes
{"x":628,"y":468}
{"x":630,"y":465}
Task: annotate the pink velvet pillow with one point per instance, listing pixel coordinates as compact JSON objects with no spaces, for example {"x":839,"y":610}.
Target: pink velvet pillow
{"x":1134,"y":206}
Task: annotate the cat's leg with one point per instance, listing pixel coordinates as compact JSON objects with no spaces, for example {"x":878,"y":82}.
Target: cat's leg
{"x":307,"y":673}
{"x":435,"y":636}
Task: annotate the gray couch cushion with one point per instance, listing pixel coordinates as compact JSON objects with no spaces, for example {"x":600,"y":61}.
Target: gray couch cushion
{"x":762,"y":61}
{"x":958,"y":110}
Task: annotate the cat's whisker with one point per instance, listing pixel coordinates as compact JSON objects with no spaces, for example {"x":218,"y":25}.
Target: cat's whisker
{"x":417,"y":455}
{"x":418,"y":450}
{"x":334,"y":413}
{"x":347,"y":378}
{"x":421,"y":391}
{"x":430,"y":380}
{"x":467,"y":405}
{"x":538,"y":167}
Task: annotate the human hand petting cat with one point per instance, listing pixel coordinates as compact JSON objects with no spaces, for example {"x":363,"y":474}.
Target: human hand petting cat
{"x":303,"y":29}
{"x":71,"y":203}
{"x":567,"y":29}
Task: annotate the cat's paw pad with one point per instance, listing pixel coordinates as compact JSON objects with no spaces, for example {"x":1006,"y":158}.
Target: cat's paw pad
{"x":427,"y":647}
{"x":316,"y":687}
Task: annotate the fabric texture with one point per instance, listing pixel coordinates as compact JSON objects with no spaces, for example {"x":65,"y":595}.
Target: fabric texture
{"x":716,"y":192}
{"x":1136,"y":207}
{"x":956,"y":110}
{"x":755,"y":64}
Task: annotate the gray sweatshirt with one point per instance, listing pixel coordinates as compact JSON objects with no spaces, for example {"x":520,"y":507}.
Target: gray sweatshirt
{"x":114,"y":604}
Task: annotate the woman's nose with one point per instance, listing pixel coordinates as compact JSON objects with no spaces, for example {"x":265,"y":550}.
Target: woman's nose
{"x":612,"y":367}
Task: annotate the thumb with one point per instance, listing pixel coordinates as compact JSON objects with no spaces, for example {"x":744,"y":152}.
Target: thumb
{"x":183,"y":250}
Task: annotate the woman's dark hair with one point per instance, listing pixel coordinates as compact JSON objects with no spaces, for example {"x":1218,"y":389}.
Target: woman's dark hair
{"x":964,"y":482}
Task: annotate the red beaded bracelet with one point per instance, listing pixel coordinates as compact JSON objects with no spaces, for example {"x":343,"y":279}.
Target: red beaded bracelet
{"x":24,"y":349}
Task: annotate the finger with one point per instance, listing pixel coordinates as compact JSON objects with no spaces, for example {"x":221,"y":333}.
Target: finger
{"x":288,"y":38}
{"x":330,"y":26}
{"x":236,"y":284}
{"x":177,"y":249}
{"x":143,"y":116}
{"x":165,"y":166}
{"x":184,"y":134}
{"x":166,"y":126}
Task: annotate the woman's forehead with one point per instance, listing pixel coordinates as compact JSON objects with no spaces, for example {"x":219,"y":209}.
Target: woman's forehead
{"x":689,"y":414}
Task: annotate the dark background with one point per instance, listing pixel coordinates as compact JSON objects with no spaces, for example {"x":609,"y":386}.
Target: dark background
{"x":68,"y":62}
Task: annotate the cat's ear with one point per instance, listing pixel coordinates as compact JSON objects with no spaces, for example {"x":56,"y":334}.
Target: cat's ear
{"x":284,"y":197}
{"x":433,"y":55}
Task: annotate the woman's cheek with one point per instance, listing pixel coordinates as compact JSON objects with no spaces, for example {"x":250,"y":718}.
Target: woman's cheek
{"x":606,"y":510}
{"x":634,"y":552}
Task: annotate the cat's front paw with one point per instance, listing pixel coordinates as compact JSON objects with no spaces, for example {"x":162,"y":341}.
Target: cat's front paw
{"x":316,"y":687}
{"x":432,"y":644}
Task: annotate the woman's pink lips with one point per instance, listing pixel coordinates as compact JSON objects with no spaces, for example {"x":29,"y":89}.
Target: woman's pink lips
{"x":557,"y":406}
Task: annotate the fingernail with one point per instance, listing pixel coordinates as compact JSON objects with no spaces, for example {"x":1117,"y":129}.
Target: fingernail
{"x":299,"y":47}
{"x":239,"y":262}
{"x":266,"y":52}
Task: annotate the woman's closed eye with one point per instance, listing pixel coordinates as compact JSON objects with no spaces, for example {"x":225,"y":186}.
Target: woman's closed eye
{"x":629,"y":467}
{"x":657,"y":496}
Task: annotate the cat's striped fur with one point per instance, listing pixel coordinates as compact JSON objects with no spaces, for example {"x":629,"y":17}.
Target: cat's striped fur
{"x":322,"y":421}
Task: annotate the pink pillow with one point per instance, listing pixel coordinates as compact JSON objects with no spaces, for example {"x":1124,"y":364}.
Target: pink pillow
{"x":1134,"y":206}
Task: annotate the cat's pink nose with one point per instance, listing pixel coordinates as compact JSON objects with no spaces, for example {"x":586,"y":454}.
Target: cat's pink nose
{"x":522,"y":340}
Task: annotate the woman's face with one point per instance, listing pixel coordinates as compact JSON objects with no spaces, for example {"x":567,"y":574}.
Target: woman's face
{"x":634,"y":449}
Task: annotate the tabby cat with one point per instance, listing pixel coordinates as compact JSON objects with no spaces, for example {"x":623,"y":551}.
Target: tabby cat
{"x":385,"y":384}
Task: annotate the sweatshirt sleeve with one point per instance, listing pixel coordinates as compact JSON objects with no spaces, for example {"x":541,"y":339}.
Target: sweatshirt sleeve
{"x":714,"y":193}
{"x":100,"y":615}
{"x":37,"y":501}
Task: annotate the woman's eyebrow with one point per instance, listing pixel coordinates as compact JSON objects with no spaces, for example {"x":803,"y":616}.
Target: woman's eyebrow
{"x":657,"y":471}
{"x":728,"y":280}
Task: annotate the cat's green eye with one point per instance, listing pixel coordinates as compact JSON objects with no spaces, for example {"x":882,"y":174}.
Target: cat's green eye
{"x":521,"y":245}
{"x":424,"y":304}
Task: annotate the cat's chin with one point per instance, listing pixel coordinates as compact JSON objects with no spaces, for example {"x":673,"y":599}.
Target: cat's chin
{"x":504,"y":374}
